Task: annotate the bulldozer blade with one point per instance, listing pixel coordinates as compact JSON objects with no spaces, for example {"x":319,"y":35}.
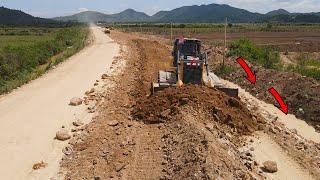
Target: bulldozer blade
{"x":230,"y":92}
{"x":155,"y":87}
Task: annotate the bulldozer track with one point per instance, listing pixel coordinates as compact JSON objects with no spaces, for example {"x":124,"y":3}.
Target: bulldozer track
{"x":148,"y":155}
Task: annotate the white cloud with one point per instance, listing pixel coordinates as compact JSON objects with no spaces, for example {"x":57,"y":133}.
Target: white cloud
{"x":83,"y":9}
{"x":152,"y":10}
{"x":264,"y":6}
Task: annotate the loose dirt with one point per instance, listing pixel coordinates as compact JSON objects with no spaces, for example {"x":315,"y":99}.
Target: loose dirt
{"x":191,"y":132}
{"x":301,"y":93}
{"x":227,"y":110}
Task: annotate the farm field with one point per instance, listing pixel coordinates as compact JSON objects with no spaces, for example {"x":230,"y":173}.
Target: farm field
{"x":25,"y":36}
{"x":304,"y":38}
{"x":26,"y":52}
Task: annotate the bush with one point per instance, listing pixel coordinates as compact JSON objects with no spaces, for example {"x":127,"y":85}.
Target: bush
{"x":266,"y":57}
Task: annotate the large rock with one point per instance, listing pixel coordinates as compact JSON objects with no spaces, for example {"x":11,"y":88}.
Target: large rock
{"x":270,"y":167}
{"x":76,"y":101}
{"x":78,"y":123}
{"x":104,"y":76}
{"x":113,"y":123}
{"x":63,"y":135}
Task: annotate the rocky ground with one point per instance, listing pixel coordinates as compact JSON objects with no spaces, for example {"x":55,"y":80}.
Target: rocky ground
{"x":191,"y":132}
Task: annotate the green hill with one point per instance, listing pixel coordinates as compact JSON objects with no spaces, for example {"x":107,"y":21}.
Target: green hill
{"x":11,"y":17}
{"x":128,"y":15}
{"x":212,"y":13}
{"x":278,"y":12}
{"x":19,"y":18}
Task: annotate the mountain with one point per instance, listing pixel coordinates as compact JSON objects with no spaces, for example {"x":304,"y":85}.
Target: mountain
{"x":16,"y":17}
{"x":317,"y":14}
{"x":278,"y":12}
{"x":211,"y":13}
{"x":87,"y":16}
{"x":207,"y":13}
{"x":128,"y":15}
{"x":203,"y":13}
{"x":159,"y":15}
{"x":295,"y":18}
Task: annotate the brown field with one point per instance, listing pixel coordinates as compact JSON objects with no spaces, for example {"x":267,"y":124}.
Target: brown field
{"x":285,"y":41}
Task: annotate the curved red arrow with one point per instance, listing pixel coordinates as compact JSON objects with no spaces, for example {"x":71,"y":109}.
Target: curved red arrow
{"x":250,"y":75}
{"x":283,"y":106}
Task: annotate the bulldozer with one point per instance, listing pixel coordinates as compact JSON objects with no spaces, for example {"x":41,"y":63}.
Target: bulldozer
{"x":190,"y":66}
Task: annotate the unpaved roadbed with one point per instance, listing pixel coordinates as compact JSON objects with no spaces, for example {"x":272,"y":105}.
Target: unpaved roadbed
{"x":189,"y":132}
{"x":31,"y":115}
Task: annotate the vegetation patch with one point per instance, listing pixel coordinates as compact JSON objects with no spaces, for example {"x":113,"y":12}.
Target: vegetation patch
{"x":266,"y":57}
{"x":22,"y":61}
{"x":224,"y":70}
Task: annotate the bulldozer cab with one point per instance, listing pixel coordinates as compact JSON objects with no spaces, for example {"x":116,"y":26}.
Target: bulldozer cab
{"x":189,"y":61}
{"x":187,"y":47}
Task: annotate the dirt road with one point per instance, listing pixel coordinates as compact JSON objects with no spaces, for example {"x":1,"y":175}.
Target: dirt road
{"x":193,"y":132}
{"x":31,"y":115}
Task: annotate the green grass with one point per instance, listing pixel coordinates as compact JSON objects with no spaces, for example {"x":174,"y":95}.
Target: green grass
{"x":269,"y":59}
{"x":305,"y":60}
{"x":224,"y":70}
{"x":306,"y":66}
{"x":25,"y":57}
{"x":22,"y":40}
{"x":266,"y":57}
{"x":305,"y":71}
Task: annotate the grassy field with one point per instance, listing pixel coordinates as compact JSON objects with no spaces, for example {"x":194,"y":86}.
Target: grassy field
{"x":25,"y":36}
{"x":26,"y":53}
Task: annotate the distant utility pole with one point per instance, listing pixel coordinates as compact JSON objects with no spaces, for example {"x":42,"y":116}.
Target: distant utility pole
{"x":171,"y":32}
{"x":140,"y":28}
{"x":225,"y":42}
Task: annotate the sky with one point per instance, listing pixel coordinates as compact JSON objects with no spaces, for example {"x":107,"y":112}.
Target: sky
{"x":54,"y":8}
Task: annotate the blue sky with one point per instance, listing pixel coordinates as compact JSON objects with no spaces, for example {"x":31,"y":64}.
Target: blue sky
{"x":52,"y":8}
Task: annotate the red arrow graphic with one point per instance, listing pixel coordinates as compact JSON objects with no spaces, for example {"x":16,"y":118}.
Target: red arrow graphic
{"x":283,"y":106}
{"x":250,"y":75}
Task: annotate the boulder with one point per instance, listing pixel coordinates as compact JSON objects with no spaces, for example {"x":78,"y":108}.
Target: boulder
{"x":63,"y":135}
{"x":113,"y":123}
{"x":76,"y":101}
{"x":104,"y":76}
{"x":78,"y":123}
{"x":270,"y":167}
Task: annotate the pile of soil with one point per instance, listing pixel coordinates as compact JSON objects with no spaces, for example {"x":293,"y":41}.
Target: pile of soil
{"x":301,"y":93}
{"x":227,"y":110}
